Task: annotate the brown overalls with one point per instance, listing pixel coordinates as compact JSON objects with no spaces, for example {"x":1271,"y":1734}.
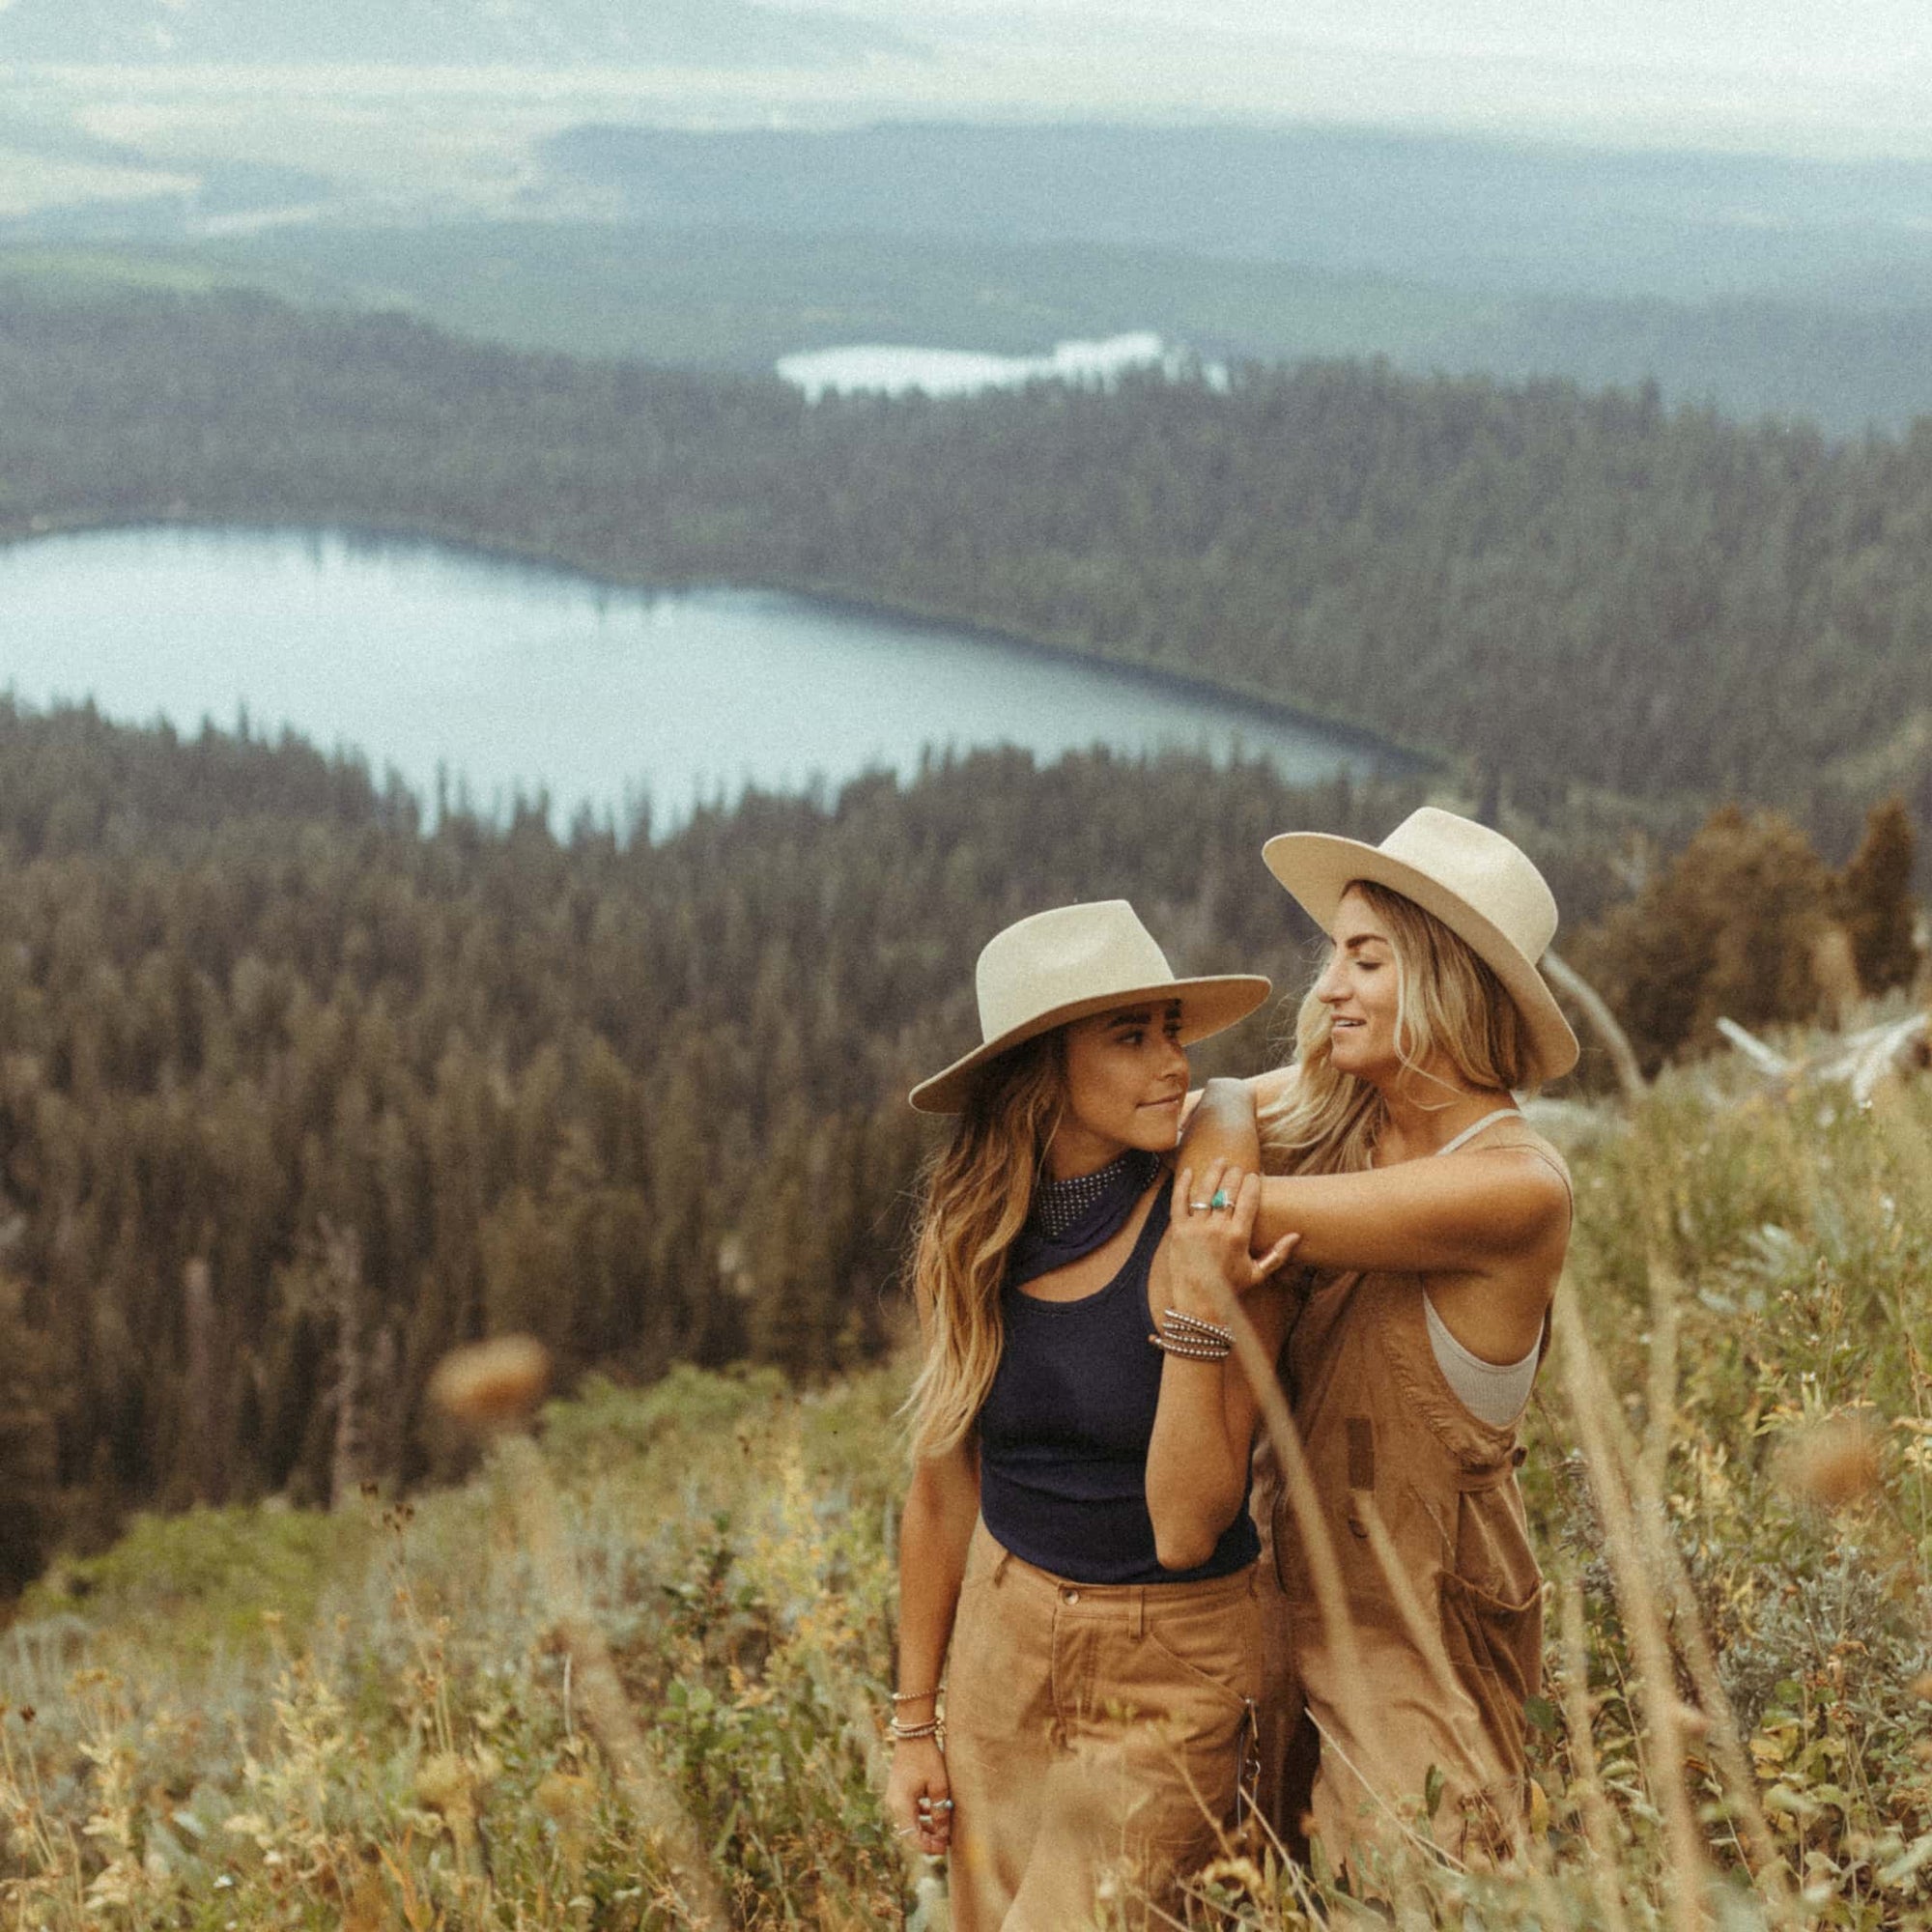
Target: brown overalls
{"x":1388,"y":1440}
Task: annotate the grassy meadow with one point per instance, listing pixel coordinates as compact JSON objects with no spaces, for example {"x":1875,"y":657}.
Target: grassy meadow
{"x":387,"y":1719}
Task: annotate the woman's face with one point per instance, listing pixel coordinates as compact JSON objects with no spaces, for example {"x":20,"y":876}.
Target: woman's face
{"x":1126,"y":1078}
{"x":1360,"y":987}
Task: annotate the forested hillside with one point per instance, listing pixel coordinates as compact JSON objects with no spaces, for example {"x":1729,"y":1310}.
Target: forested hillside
{"x":1571,"y":591}
{"x":737,"y":300}
{"x":293,"y":1096}
{"x":296,"y":1093}
{"x":1501,"y":212}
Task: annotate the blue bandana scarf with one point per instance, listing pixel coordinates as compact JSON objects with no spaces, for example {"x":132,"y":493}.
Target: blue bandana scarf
{"x":1072,"y":1219}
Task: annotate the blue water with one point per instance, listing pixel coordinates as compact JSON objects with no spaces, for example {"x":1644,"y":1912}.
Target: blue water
{"x":514,"y":677}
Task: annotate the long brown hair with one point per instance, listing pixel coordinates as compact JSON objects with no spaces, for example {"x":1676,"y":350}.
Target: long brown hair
{"x":974,"y":1201}
{"x":1447,"y":1001}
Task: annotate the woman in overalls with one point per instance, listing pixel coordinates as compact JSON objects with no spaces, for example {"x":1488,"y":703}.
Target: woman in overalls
{"x":1432,"y":1222}
{"x":1076,"y":1559}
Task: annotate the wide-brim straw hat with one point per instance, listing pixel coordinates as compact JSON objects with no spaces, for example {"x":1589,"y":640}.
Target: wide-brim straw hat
{"x":1479,"y":884}
{"x":1067,"y":964}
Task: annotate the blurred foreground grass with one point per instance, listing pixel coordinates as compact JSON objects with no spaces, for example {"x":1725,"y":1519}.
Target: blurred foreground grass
{"x":269,"y":1719}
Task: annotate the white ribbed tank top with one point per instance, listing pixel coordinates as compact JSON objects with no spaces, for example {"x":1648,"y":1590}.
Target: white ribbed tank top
{"x":1497,"y":1392}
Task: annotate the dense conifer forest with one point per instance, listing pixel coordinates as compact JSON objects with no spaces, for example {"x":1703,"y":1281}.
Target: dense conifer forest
{"x":1571,"y":590}
{"x":299,"y":1088}
{"x":296,"y":1093}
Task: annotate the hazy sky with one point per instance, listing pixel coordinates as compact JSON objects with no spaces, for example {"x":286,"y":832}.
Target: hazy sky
{"x":1816,"y":76}
{"x":1837,"y":76}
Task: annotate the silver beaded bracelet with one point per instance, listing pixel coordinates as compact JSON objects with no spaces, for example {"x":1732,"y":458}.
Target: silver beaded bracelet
{"x":1194,"y":1350}
{"x":1183,"y":1327}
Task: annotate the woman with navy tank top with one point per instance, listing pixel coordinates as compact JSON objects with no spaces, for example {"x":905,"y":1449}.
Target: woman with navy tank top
{"x":1077,"y":1561}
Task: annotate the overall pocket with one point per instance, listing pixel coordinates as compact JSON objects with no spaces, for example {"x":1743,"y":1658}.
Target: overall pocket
{"x":1495,"y":1649}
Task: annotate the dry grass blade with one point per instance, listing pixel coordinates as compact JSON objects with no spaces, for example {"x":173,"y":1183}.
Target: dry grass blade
{"x":1318,"y":1545}
{"x":1603,"y":1863}
{"x":1653,"y":1465}
{"x":1726,"y":1743}
{"x":1574,"y":987}
{"x":606,"y":1711}
{"x":493,"y":1387}
{"x":918,"y":1868}
{"x":1688,"y":1868}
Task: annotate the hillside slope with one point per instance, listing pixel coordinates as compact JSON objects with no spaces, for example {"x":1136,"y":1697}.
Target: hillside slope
{"x":402,"y":1725}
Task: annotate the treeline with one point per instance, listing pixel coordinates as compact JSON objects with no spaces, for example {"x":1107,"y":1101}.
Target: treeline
{"x":295,"y":1094}
{"x":298,"y":1092}
{"x":1746,"y":923}
{"x":1570,"y":591}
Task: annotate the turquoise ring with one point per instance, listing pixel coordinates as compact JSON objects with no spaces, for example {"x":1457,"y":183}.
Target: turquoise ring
{"x":1220,"y":1199}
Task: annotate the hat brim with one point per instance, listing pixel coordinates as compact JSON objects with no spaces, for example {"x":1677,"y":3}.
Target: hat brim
{"x":1317,"y":868}
{"x":1207,"y":1007}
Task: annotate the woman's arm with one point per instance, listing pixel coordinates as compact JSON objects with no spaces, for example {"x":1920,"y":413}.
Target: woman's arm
{"x":1196,"y":1470}
{"x":1418,"y":1217}
{"x":941,"y":1504}
{"x":1222,"y":1126}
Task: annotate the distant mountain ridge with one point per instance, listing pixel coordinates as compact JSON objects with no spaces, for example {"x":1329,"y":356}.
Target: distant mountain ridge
{"x":1466,"y":213}
{"x":460,"y":32}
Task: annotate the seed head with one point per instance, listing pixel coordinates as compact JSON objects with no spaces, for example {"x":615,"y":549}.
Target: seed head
{"x":1835,"y":1465}
{"x":491,"y":1385}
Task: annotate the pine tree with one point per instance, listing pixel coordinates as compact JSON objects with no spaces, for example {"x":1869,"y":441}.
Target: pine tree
{"x":1875,"y":900}
{"x":29,"y":1476}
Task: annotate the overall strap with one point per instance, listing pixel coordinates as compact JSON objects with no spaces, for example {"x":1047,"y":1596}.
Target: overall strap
{"x":1534,"y":1146}
{"x":1469,"y":1133}
{"x":1543,"y":1341}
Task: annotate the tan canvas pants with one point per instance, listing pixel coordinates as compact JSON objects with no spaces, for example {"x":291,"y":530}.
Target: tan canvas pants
{"x":1096,"y":1738}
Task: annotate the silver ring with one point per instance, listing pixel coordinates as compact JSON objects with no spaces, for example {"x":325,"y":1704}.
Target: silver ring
{"x":1220,"y":1199}
{"x":1197,"y":1207}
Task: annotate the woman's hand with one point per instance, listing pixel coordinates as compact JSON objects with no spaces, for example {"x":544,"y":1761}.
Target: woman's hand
{"x":1209,"y":1247}
{"x":919,"y":1795}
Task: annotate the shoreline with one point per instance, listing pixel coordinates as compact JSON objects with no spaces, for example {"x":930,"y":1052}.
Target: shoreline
{"x":1390,"y":758}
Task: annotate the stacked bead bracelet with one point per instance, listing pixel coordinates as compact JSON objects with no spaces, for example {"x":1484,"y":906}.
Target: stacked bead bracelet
{"x":933,"y":1727}
{"x":1189,"y":1336}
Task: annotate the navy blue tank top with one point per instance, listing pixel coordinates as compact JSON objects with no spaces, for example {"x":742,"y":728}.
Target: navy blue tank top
{"x":1065,"y":1432}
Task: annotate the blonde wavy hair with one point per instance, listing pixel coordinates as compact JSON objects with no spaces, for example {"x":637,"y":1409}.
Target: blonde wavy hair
{"x":974,"y":1201}
{"x":1447,"y":1002}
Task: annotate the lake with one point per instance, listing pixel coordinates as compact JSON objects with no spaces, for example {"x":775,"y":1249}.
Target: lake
{"x":511,"y":676}
{"x":895,"y":369}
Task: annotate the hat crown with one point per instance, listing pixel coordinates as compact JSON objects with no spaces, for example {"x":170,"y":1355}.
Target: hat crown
{"x":1484,"y":869}
{"x":1063,"y":957}
{"x":1485,"y":890}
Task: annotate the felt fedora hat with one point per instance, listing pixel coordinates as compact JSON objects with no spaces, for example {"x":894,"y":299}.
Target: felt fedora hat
{"x":1479,"y":884}
{"x":1072,"y":962}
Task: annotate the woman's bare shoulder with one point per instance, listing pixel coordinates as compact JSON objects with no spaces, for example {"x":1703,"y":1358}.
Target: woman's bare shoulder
{"x":1522,"y":1189}
{"x":1271,"y":1087}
